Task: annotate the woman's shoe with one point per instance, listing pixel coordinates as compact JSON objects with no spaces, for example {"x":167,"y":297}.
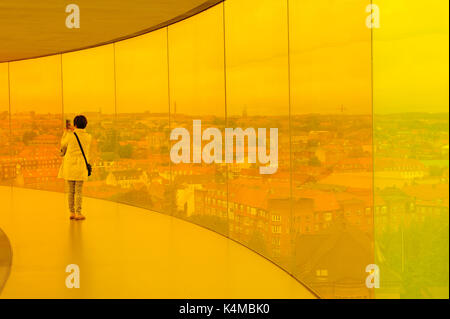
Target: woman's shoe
{"x":80,"y":217}
{"x":72,"y":215}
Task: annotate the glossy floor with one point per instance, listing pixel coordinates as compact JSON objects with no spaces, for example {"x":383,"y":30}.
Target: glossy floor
{"x":127,"y":252}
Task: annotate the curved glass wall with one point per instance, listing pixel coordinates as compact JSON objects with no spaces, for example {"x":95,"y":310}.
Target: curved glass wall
{"x":197,"y":93}
{"x":89,"y":88}
{"x":289,"y":65}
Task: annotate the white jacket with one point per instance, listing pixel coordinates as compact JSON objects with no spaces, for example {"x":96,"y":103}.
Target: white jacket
{"x":73,"y":167}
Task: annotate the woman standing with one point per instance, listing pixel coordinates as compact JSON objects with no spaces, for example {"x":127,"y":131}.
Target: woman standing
{"x":74,"y":168}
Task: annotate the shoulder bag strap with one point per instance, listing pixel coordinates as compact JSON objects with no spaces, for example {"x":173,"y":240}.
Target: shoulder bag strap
{"x":81,"y":148}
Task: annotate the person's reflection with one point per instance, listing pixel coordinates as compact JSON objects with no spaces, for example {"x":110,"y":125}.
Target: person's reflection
{"x":76,"y":241}
{"x":75,"y":256}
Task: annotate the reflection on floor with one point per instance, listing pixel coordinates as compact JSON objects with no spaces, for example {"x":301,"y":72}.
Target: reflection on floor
{"x":127,"y":252}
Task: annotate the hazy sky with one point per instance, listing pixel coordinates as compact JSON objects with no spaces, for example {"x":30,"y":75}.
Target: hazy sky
{"x":330,"y":63}
{"x":411,"y":57}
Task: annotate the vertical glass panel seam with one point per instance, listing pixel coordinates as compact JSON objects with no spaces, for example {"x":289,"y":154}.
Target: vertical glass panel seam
{"x":9,"y":118}
{"x":291,"y":197}
{"x":226,"y":112}
{"x":62,"y":89}
{"x":169,"y":103}
{"x":115,"y":79}
{"x":373,"y":147}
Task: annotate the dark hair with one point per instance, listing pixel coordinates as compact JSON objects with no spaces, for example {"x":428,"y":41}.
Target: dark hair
{"x":80,"y":121}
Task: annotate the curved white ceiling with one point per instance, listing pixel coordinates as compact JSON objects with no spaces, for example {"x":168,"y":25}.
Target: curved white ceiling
{"x":38,"y":28}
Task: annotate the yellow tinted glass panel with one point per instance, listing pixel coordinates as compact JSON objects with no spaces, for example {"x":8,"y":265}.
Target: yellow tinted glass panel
{"x":258,"y":97}
{"x":142,"y":173}
{"x":197,"y":92}
{"x":331,"y":132}
{"x":36,"y":122}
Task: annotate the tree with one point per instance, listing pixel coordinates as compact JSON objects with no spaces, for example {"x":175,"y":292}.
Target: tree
{"x":170,"y":200}
{"x":314,"y":161}
{"x":28,"y":136}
